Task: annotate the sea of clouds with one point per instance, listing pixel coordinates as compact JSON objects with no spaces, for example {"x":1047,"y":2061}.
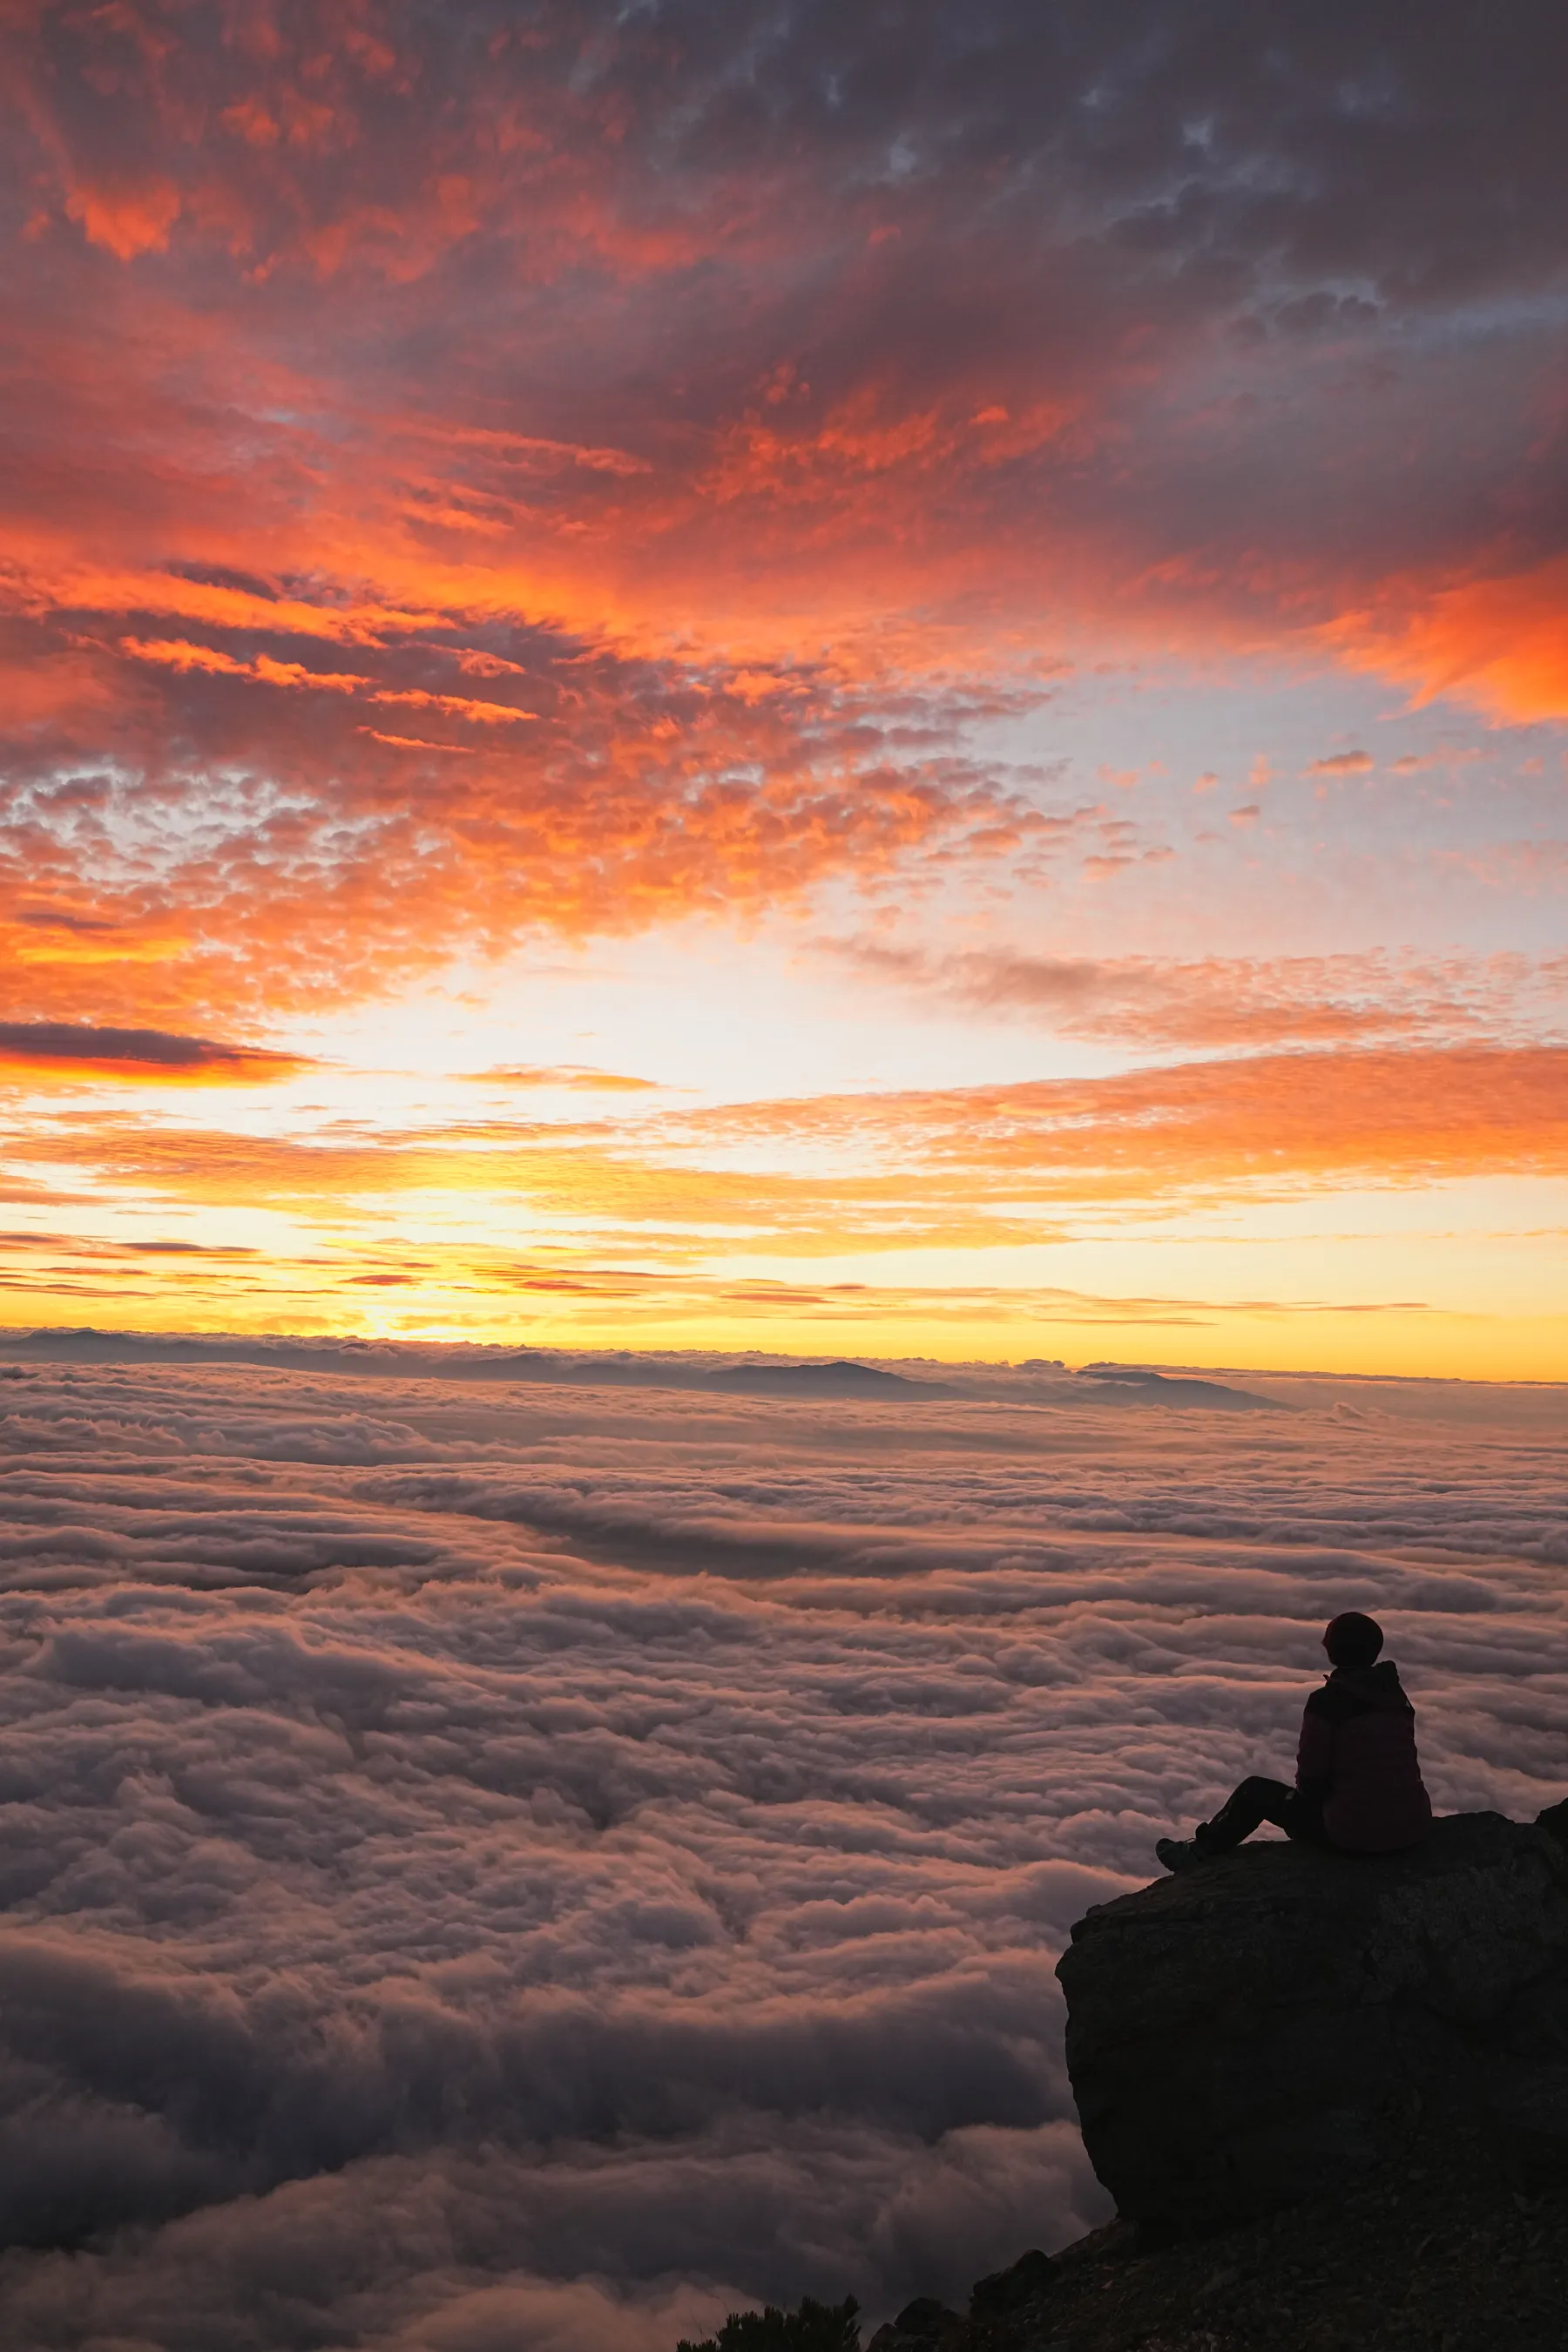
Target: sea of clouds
{"x":492,"y":1864}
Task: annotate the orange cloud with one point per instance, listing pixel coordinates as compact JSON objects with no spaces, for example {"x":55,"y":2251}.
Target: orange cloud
{"x":83,"y":590}
{"x":643,"y":788}
{"x":1499,"y":642}
{"x":126,"y":221}
{"x":572,"y":1075}
{"x":414,"y":743}
{"x":180,"y":654}
{"x":959,"y":1168}
{"x":459,"y":706}
{"x":1271,"y":1125}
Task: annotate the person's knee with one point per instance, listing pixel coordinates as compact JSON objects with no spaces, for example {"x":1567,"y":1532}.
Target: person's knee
{"x":1253,"y":1790}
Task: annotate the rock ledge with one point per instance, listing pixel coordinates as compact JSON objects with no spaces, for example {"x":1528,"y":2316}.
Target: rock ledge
{"x":1276,"y":2023}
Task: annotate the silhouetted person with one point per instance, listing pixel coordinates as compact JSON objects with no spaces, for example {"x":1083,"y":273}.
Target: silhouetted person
{"x":1358,"y":1777}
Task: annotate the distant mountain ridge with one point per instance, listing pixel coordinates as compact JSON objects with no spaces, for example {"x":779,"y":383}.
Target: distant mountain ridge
{"x":1126,"y":1383}
{"x":808,"y":1379}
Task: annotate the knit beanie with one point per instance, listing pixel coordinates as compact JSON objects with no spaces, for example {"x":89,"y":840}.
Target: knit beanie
{"x":1352,"y":1640}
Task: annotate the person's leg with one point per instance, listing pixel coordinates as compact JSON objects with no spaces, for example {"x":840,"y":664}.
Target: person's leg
{"x":1255,"y":1801}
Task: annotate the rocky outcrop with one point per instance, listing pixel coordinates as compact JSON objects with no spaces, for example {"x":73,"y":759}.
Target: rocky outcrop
{"x":1276,"y":2023}
{"x":923,"y":2326}
{"x":1001,"y":2307}
{"x":1330,"y":2096}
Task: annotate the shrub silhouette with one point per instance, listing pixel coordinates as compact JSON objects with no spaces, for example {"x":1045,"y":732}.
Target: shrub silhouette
{"x":815,"y":2327}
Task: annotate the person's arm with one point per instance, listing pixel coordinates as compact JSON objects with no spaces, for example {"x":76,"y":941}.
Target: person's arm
{"x":1315,"y":1754}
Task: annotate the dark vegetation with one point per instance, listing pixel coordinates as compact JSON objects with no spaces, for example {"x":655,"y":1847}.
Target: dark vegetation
{"x":815,"y":2327}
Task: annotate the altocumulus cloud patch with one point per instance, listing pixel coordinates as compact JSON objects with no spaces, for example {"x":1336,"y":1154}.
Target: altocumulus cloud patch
{"x":538,"y":1865}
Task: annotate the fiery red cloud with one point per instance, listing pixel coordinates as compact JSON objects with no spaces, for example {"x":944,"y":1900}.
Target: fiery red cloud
{"x":557,"y":465}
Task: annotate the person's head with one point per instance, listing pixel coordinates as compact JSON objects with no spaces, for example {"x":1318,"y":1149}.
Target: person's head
{"x":1352,"y":1640}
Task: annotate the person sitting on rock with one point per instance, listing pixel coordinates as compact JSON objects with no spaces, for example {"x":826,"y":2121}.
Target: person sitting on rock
{"x":1358,"y":1777}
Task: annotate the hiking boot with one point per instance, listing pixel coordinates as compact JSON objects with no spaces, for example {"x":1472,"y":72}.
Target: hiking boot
{"x":1178,"y":1854}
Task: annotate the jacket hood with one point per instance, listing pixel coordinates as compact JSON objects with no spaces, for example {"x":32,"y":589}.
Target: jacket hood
{"x":1379,"y":1686}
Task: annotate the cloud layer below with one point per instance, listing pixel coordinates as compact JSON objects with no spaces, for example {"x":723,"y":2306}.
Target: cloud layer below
{"x":487,"y":1863}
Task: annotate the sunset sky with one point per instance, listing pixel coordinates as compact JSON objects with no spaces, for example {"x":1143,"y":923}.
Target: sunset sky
{"x":835,"y":678}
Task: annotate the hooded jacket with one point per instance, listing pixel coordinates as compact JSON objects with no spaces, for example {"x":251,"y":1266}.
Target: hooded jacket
{"x":1357,"y":1754}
